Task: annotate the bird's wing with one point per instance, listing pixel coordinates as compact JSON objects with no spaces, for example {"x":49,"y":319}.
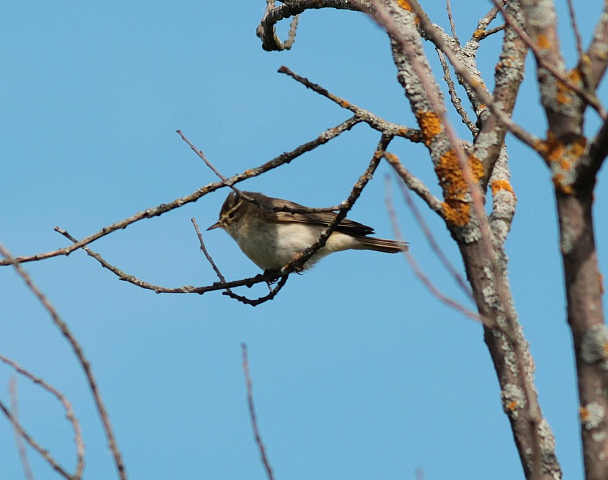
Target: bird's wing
{"x":323,"y":219}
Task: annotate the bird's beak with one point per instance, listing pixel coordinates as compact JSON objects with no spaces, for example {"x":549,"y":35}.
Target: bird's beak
{"x":217,"y":224}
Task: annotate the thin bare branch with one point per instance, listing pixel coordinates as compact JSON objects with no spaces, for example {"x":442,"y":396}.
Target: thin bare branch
{"x":266,"y":31}
{"x":67,"y":406}
{"x":415,"y":184}
{"x":485,"y":21}
{"x":299,"y":260}
{"x":448,"y":7}
{"x":377,"y":123}
{"x":247,"y":282}
{"x":588,"y":96}
{"x":253,"y":416}
{"x":455,"y":99}
{"x":282,"y":159}
{"x":594,"y":63}
{"x":273,"y":291}
{"x":418,"y":271}
{"x":430,"y":238}
{"x":84,"y":363}
{"x":577,"y":34}
{"x":480,"y":35}
{"x":25,"y":463}
{"x":33,"y":443}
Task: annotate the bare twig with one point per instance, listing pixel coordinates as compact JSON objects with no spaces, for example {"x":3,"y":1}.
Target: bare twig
{"x":84,"y":363}
{"x":431,"y":240}
{"x":67,"y":406}
{"x":415,"y":184}
{"x":577,"y":34}
{"x":282,"y":159}
{"x":266,"y":31}
{"x":35,"y":445}
{"x":247,"y":282}
{"x":27,"y":469}
{"x":299,"y":260}
{"x":480,"y":35}
{"x":252,"y":414}
{"x":377,"y":123}
{"x":454,"y":95}
{"x":418,"y":271}
{"x":483,"y":23}
{"x":273,"y":291}
{"x":271,"y":29}
{"x":448,"y":7}
{"x":588,"y":96}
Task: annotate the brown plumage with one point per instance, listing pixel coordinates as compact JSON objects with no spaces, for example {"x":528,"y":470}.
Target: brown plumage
{"x":271,"y":238}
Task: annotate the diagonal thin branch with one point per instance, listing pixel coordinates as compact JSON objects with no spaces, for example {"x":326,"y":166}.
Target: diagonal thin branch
{"x":299,"y":260}
{"x":455,"y":99}
{"x":588,"y":96}
{"x":430,"y":238}
{"x":377,"y":123}
{"x":67,"y":406}
{"x":77,"y":349}
{"x":247,"y":282}
{"x":418,"y":271}
{"x":282,"y":159}
{"x":33,"y":443}
{"x":27,"y":469}
{"x":253,"y":416}
{"x":273,"y":291}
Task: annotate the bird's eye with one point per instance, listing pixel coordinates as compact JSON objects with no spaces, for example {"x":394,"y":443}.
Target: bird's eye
{"x":231,"y":215}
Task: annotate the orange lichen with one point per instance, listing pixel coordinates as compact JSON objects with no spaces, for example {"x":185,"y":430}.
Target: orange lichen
{"x":339,"y":101}
{"x":558,"y":182}
{"x":554,"y":150}
{"x":542,"y":41}
{"x":407,"y":6}
{"x":402,"y":132}
{"x":456,"y":212}
{"x":584,"y":413}
{"x":479,"y":33}
{"x":512,"y":406}
{"x":498,"y":185}
{"x":575,"y":76}
{"x":391,"y":157}
{"x":456,"y":207}
{"x":564,"y":93}
{"x":430,"y":125}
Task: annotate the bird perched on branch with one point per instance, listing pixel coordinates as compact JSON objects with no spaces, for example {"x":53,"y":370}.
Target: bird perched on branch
{"x":271,"y":231}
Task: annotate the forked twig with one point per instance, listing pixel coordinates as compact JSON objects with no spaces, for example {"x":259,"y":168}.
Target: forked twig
{"x":282,"y":159}
{"x":377,"y":123}
{"x":273,"y":291}
{"x":588,"y":96}
{"x":84,"y":363}
{"x":67,"y":406}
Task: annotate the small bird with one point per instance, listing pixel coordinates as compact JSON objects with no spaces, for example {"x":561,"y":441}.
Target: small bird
{"x":271,"y":238}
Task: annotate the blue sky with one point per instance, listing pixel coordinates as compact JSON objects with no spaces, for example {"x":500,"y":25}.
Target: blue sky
{"x":358,"y":371}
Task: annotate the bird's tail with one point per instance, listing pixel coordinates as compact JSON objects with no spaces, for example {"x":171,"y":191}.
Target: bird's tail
{"x":382,"y":245}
